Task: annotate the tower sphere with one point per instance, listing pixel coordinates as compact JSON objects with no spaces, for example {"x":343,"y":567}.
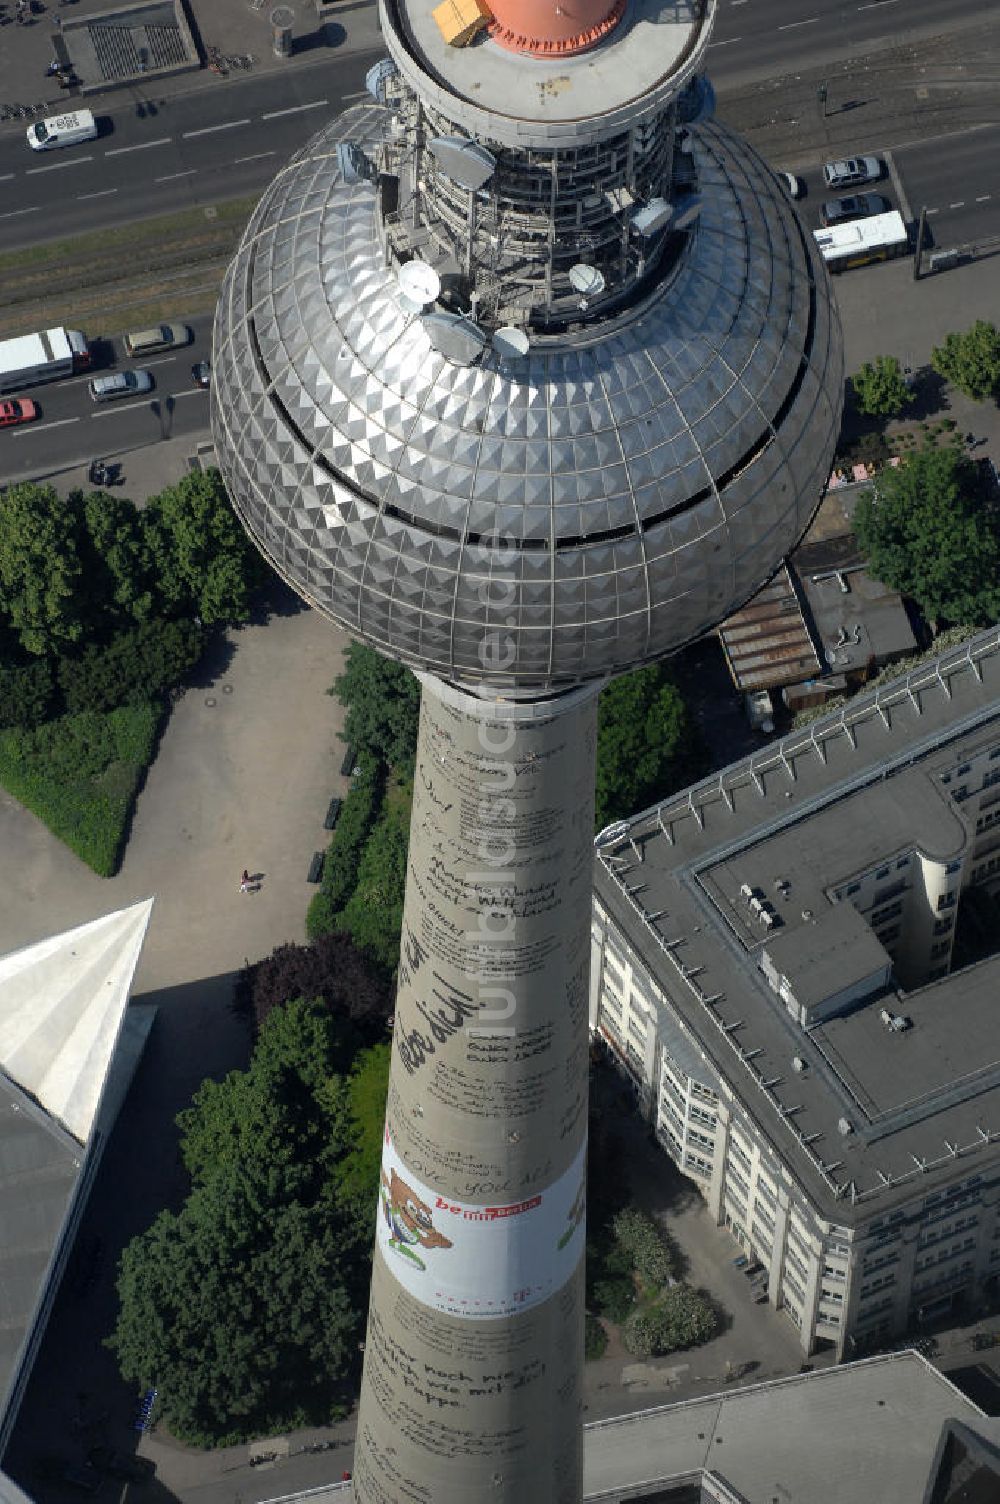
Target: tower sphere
{"x":599,"y":409}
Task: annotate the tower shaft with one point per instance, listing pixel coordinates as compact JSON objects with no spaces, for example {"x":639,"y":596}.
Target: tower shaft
{"x":474,"y":1353}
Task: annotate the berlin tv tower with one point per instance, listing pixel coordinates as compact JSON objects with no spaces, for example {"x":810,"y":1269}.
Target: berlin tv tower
{"x":526,"y":373}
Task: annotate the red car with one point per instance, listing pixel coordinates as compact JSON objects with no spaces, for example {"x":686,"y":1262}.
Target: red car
{"x":16,"y":410}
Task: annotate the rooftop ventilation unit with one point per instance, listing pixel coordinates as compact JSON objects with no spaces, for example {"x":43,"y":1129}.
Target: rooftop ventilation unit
{"x":465,"y":162}
{"x":807,"y":914}
{"x":746,"y":891}
{"x":798,"y":1064}
{"x":844,"y":1127}
{"x":768,"y":918}
{"x":586,"y":279}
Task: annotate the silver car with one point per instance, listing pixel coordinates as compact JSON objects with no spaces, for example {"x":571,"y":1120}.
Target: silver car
{"x":120,"y":384}
{"x":851,"y":170}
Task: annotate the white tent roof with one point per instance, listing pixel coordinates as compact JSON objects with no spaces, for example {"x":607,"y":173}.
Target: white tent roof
{"x":62,"y":1002}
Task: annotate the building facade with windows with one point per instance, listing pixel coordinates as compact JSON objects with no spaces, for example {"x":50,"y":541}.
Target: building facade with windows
{"x":775,"y":968}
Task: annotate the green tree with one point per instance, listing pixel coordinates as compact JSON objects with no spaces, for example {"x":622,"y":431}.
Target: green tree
{"x":373,"y":916}
{"x":926,"y":531}
{"x":134,"y":668}
{"x":971,"y":360}
{"x":27,"y":695}
{"x":118,"y":568}
{"x":203,"y":561}
{"x":246,"y":1305}
{"x":880,"y":388}
{"x":681,"y":1318}
{"x":652,"y":1256}
{"x":645,"y":743}
{"x":41,"y":593}
{"x":382,"y":701}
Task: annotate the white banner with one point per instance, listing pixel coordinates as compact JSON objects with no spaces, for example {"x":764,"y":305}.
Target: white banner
{"x":466,"y":1259}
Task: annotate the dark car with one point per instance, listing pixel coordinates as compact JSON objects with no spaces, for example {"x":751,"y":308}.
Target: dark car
{"x":856,"y":206}
{"x":201,"y":373}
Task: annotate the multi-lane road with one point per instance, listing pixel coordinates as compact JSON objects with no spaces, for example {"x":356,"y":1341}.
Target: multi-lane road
{"x":228,"y":137}
{"x":71,"y":429}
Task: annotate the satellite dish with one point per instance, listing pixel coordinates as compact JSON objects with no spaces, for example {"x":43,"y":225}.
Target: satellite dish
{"x":586,"y":279}
{"x":455,"y":336}
{"x":465,"y":162}
{"x":419,"y":283}
{"x":378,"y":77}
{"x":510,"y":342}
{"x":354,"y":165}
{"x":656,"y":215}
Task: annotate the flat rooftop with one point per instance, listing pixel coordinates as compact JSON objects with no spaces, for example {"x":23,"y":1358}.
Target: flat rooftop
{"x":860,"y":1431}
{"x":856,"y":787}
{"x":653,"y":38}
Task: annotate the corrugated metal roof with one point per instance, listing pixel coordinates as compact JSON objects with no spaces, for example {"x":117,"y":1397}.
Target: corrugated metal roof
{"x":768,"y":643}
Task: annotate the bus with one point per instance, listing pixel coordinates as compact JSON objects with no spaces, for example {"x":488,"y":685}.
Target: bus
{"x":862,"y":240}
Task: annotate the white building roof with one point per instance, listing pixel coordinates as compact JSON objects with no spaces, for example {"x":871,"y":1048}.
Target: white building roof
{"x":62,"y":1002}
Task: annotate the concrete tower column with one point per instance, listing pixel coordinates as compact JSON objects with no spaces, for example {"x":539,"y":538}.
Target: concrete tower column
{"x":474,"y":1353}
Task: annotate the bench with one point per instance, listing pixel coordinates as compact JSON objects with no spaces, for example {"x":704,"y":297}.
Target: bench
{"x":333,"y":811}
{"x":316,"y":867}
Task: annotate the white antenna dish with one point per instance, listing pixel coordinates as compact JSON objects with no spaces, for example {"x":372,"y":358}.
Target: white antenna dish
{"x":586,"y":279}
{"x":419,"y":283}
{"x":464,"y":161}
{"x":612,"y":832}
{"x":455,"y":336}
{"x":510,"y":342}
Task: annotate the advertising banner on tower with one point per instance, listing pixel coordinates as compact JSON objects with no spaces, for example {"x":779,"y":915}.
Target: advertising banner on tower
{"x":474,"y":1260}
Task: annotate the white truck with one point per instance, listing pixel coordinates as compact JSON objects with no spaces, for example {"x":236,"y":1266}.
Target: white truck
{"x":31,"y":358}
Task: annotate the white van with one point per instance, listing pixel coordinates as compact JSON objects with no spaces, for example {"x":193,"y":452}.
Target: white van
{"x":62,"y":130}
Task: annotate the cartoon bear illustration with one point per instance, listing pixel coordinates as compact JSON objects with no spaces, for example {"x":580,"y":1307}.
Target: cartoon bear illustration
{"x":409,"y":1220}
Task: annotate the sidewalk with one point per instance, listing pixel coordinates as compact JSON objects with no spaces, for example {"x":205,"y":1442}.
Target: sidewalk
{"x":234,"y":26}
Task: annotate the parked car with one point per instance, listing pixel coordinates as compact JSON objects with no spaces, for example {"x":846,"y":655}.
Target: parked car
{"x":792,"y":185}
{"x":849,"y":171}
{"x":201,"y":373}
{"x":16,"y":410}
{"x":160,"y":337}
{"x":855,"y":206}
{"x":120,"y":384}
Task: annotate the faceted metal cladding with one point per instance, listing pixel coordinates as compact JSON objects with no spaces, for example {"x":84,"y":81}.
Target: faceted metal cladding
{"x":626,"y":484}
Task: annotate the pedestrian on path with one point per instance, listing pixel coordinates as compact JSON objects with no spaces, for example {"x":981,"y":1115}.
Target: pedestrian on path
{"x":245,"y":882}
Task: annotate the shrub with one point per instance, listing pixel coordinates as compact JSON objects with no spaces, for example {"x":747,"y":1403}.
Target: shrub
{"x":681,"y":1318}
{"x":652,"y":1257}
{"x":614,"y":1298}
{"x":330,"y":970}
{"x":80,"y":774}
{"x":340,"y":870}
{"x":133,"y":668}
{"x":27,"y":695}
{"x":373,"y":915}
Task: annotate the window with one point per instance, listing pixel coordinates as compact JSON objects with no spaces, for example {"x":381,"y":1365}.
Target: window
{"x":904,"y":861}
{"x":954,"y":867}
{"x":879,"y":916}
{"x":882,"y":872}
{"x":966,"y":766}
{"x":995,"y":754}
{"x":942,"y":926}
{"x":940,"y":949}
{"x":853,"y":888}
{"x":946,"y":900}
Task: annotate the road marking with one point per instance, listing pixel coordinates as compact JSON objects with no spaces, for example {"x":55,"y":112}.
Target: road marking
{"x":207,"y":130}
{"x":5,"y":177}
{"x":790,"y":25}
{"x":119,"y":407}
{"x":737,"y":2}
{"x":102,"y":194}
{"x":727,"y":43}
{"x":983,"y":198}
{"x":257,"y":156}
{"x":361,"y":94}
{"x":295,"y":109}
{"x":877,"y":4}
{"x":959,"y":205}
{"x":119,"y":151}
{"x":188,"y":173}
{"x":195,"y":391}
{"x":13,"y":213}
{"x":55,"y":166}
{"x":933,"y":211}
{"x":19,"y":433}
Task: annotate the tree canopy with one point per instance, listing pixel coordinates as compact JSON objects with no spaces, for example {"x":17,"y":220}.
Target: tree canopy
{"x":645,"y":743}
{"x":927,"y":532}
{"x":247,"y":1305}
{"x":330,"y":969}
{"x":880,"y":388}
{"x":971,"y":360}
{"x":382,"y":701}
{"x":43,"y":592}
{"x":204,"y":563}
